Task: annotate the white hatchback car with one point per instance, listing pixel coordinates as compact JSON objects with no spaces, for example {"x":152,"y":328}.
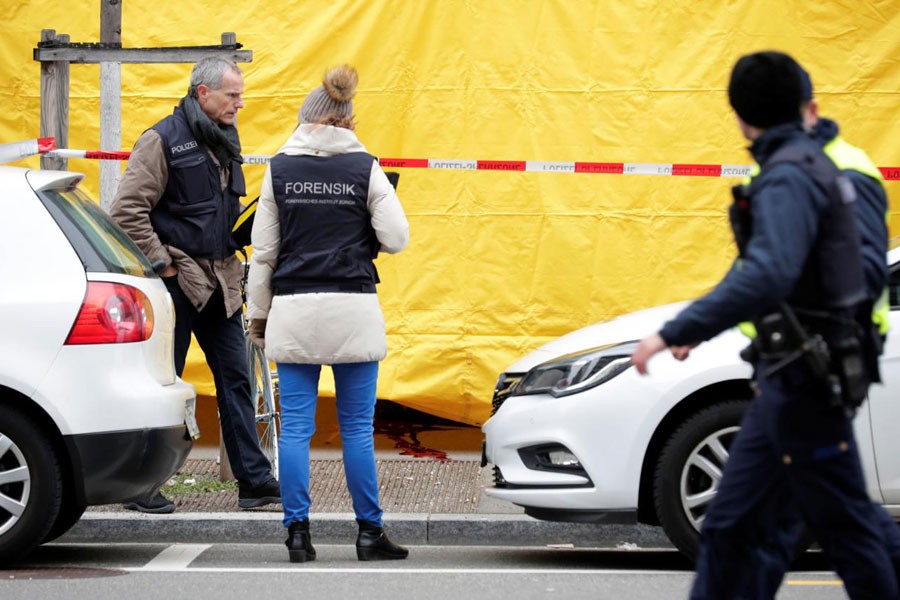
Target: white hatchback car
{"x":576,"y":434}
{"x":91,"y":411}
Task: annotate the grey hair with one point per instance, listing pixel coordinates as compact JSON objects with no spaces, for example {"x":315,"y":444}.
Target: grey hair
{"x":210,"y":71}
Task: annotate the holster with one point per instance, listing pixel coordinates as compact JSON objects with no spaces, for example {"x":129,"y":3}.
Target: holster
{"x":830,"y":348}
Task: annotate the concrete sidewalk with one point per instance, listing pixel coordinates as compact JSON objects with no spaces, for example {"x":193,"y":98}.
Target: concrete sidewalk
{"x":425,"y":501}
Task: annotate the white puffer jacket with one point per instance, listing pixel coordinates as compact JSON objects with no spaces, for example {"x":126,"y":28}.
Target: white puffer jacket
{"x":321,"y":328}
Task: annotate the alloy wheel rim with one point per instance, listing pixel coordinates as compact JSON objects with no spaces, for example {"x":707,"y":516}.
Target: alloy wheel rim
{"x":15,"y":484}
{"x":702,"y":473}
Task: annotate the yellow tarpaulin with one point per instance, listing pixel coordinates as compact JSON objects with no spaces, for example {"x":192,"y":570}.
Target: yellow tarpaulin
{"x":499,"y":262}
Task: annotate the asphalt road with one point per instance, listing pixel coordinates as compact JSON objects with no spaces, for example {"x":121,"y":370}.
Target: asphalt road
{"x":248,"y":571}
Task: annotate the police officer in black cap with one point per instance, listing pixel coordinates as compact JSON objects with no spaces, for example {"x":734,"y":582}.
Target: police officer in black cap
{"x":799,"y":279}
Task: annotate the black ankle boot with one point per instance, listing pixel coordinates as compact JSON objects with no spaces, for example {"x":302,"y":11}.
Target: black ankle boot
{"x":299,"y":544}
{"x":372,"y":543}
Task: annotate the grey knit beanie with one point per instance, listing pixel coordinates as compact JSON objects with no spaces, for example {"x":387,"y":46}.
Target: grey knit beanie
{"x":332,"y":99}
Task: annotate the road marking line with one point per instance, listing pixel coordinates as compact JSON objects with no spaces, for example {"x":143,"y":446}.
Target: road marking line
{"x":429,"y":571}
{"x":834,"y":582}
{"x":175,"y":558}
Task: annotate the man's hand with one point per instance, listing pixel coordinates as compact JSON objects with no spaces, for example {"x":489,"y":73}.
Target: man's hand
{"x":647,"y":347}
{"x":169,"y":271}
{"x":652,"y":344}
{"x":682,"y":352}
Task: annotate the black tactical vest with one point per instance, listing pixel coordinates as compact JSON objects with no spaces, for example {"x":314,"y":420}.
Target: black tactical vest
{"x":327,"y":240}
{"x":194,"y":214}
{"x":833,"y":275}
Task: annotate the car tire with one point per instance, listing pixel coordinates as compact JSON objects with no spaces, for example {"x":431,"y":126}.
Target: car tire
{"x":69,"y":514}
{"x":34,"y":482}
{"x":690,"y":467}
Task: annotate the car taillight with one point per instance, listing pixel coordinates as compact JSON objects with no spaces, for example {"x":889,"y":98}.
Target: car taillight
{"x":112,"y":313}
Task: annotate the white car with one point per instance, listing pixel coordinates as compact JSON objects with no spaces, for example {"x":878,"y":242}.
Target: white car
{"x":91,"y":411}
{"x":578,"y":435}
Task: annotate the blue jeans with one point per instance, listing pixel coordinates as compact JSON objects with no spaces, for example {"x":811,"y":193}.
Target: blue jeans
{"x":355,"y":385}
{"x":794,"y":458}
{"x":222,"y":339}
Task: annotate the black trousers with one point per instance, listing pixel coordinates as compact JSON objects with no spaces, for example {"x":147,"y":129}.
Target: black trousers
{"x":794,"y":461}
{"x":222,"y":340}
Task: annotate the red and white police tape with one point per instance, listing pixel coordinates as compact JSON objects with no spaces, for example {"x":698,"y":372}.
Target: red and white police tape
{"x":17,"y":150}
{"x":47,"y":147}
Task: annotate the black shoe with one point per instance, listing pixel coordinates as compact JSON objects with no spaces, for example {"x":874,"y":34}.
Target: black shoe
{"x":156,"y":504}
{"x":299,"y":543}
{"x":373,"y":544}
{"x":267,"y":493}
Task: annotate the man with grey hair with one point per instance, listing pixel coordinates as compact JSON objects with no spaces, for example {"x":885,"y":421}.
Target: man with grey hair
{"x":178,"y":200}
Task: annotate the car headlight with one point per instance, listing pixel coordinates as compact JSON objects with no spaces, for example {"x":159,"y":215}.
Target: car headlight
{"x":574,"y":373}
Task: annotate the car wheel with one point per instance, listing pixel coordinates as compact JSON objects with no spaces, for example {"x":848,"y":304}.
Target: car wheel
{"x":30,"y":485}
{"x":69,"y":514}
{"x":689,"y":470}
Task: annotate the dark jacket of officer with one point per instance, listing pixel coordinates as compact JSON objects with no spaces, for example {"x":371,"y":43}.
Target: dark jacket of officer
{"x":158,"y":175}
{"x":195,"y":213}
{"x":782,"y":258}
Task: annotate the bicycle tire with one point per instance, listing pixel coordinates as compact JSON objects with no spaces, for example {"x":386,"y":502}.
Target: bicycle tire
{"x":263,"y":393}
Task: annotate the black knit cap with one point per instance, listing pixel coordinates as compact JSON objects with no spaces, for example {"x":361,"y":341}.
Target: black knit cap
{"x":766,"y":89}
{"x":806,"y":86}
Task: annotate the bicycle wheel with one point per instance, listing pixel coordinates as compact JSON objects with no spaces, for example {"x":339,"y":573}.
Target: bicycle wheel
{"x":262,"y":391}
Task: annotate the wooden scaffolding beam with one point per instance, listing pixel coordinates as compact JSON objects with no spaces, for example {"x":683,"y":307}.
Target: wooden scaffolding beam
{"x":56,"y":53}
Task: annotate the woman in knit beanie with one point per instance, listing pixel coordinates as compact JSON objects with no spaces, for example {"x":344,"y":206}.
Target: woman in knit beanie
{"x":325,"y":211}
{"x":331,"y":103}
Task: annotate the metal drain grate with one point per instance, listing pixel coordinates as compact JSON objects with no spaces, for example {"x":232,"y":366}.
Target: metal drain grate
{"x":405,"y":486}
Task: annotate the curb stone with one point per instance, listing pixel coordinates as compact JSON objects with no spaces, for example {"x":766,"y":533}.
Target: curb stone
{"x":339,"y":528}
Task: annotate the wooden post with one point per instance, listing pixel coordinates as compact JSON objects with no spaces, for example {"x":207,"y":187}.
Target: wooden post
{"x":110,"y":101}
{"x":55,"y":102}
{"x":225,"y":473}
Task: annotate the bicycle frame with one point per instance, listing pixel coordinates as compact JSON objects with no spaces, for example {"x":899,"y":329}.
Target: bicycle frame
{"x":263,"y":385}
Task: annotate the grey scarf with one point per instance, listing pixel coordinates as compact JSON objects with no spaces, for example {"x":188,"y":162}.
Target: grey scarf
{"x":223,"y":140}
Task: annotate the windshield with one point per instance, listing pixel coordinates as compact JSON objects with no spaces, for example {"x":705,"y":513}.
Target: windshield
{"x":99,"y":242}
